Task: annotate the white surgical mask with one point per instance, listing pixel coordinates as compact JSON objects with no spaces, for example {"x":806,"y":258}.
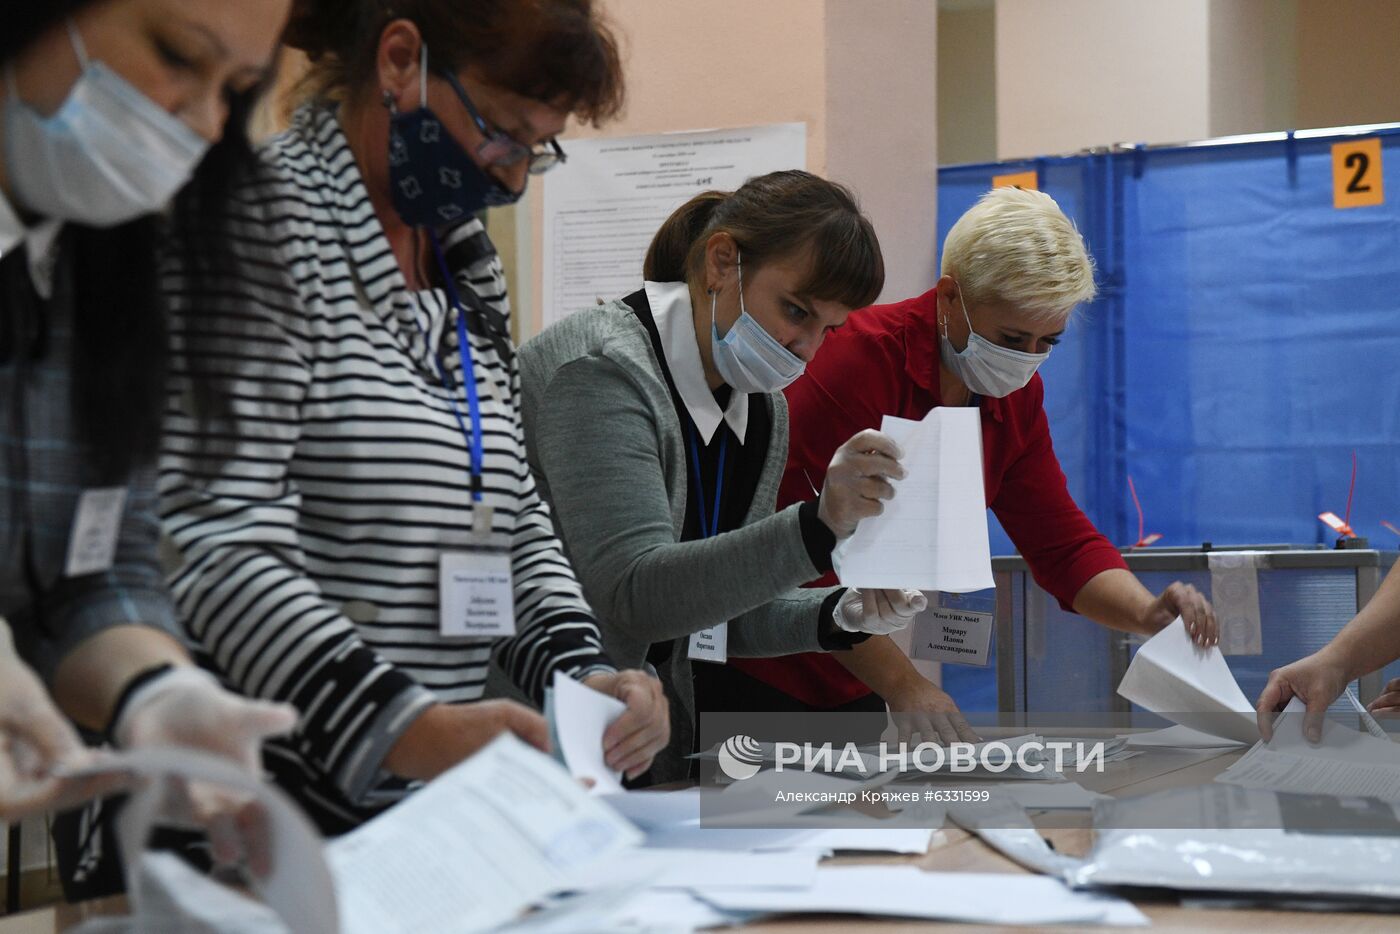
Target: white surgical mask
{"x":748,"y":357}
{"x":988,"y":369}
{"x":109,"y":155}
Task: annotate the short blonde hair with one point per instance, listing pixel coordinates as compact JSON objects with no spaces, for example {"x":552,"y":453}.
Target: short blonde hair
{"x":1017,"y":246}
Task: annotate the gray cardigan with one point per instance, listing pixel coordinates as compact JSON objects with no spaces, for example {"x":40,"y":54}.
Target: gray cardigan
{"x":608,"y":453}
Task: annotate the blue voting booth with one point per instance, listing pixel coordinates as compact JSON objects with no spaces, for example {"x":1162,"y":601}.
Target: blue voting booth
{"x":1245,"y":343}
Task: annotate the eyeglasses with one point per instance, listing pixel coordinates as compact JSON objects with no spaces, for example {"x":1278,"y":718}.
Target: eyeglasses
{"x":503,"y":150}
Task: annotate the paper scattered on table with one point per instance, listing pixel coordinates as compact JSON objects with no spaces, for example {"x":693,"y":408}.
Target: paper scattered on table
{"x":628,"y":910}
{"x":1345,"y":763}
{"x":1057,"y":796}
{"x":165,"y":894}
{"x":1234,"y":595}
{"x":1174,"y":678}
{"x":579,"y":717}
{"x":933,"y":534}
{"x":1180,"y":737}
{"x":688,"y":869}
{"x":826,"y":841}
{"x":656,"y":810}
{"x":907,"y":892}
{"x":474,"y":847}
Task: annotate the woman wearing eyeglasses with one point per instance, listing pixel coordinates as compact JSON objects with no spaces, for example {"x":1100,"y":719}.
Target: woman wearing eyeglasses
{"x":345,"y":473}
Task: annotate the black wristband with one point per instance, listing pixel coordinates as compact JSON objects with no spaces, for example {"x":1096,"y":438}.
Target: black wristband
{"x":831,"y":637}
{"x":140,"y":680}
{"x":819,"y":539}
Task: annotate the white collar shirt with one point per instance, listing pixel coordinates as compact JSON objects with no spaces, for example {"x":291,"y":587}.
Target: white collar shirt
{"x":42,"y":239}
{"x":671,"y":310}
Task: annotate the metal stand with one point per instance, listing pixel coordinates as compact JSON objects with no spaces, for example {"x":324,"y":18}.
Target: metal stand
{"x":12,"y":870}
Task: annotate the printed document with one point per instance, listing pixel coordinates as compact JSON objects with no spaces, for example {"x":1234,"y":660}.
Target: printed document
{"x":1346,"y":762}
{"x":933,"y":534}
{"x":473,"y":848}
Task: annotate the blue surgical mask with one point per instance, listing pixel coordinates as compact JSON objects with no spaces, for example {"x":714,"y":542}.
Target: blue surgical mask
{"x":433,"y":180}
{"x":988,"y":369}
{"x":109,"y":155}
{"x":748,"y":357}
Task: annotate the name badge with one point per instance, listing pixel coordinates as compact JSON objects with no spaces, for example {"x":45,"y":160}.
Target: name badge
{"x":97,"y":523}
{"x":956,"y":628}
{"x":475,"y":594}
{"x":710,"y":645}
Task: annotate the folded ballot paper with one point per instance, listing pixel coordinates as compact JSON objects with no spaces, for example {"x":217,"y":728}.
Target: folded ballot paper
{"x":1189,"y":685}
{"x":933,"y":534}
{"x":578,"y":716}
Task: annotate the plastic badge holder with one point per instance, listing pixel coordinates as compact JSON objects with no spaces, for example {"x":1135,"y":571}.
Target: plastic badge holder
{"x":1248,"y":846}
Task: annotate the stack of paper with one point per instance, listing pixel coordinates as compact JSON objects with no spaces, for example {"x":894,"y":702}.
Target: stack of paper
{"x":1345,"y":762}
{"x":474,"y":847}
{"x":1176,"y":679}
{"x":908,"y":892}
{"x":933,"y":535}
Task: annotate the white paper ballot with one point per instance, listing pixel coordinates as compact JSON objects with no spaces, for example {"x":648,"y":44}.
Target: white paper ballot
{"x":1346,"y":762}
{"x":933,"y":534}
{"x":908,"y":892}
{"x":1180,"y":737}
{"x":473,"y":848}
{"x":166,"y":894}
{"x":1174,"y":678}
{"x":579,"y":717}
{"x":691,"y":868}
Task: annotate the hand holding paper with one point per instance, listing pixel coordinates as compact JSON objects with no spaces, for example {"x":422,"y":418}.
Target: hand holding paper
{"x":1317,"y":681}
{"x":643,"y":730}
{"x":933,"y":534}
{"x":579,"y":716}
{"x":1189,"y":685}
{"x":857,"y":480}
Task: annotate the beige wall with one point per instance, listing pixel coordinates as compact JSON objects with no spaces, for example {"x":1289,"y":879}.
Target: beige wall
{"x":1072,"y":74}
{"x":1348,"y":66}
{"x":1077,"y":73}
{"x":967,"y":84}
{"x":1253,"y":66}
{"x":882,"y":118}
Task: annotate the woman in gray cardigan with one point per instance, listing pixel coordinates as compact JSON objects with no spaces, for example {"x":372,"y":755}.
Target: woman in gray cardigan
{"x":657,"y":429}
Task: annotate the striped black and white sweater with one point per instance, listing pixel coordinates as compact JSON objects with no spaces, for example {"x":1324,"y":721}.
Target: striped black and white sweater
{"x":310,"y":524}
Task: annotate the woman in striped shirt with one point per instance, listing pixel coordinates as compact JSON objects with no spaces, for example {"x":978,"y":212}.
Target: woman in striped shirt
{"x":344,"y":473}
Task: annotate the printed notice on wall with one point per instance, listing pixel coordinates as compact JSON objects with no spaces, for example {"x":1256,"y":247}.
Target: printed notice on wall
{"x":602,"y":207}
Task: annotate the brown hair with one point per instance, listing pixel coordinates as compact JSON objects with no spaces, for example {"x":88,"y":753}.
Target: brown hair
{"x":547,"y":50}
{"x":776,"y":216}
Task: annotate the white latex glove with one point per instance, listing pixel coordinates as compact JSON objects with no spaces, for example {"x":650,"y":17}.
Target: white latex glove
{"x":187,"y":707}
{"x":858,"y":481}
{"x":878,"y":612}
{"x":35,"y":740}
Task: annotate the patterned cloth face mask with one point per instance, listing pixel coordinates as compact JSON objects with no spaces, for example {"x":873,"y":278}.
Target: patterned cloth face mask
{"x":433,"y":179}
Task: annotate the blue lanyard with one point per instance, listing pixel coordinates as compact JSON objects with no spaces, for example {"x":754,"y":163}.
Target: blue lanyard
{"x":710,"y":529}
{"x":464,"y":348}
